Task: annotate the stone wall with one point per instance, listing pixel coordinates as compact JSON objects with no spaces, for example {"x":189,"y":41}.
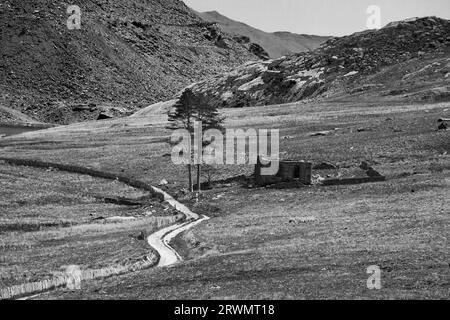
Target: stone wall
{"x":289,"y":171}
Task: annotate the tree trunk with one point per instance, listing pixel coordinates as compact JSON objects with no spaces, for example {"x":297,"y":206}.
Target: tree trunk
{"x":199,"y":173}
{"x":191,"y":185}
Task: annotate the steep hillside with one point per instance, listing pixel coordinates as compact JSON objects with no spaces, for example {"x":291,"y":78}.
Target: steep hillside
{"x":407,"y":60}
{"x":276,"y":44}
{"x":297,"y":43}
{"x":127,"y":54}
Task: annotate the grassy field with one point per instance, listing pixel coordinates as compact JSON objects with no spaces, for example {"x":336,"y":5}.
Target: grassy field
{"x":51,"y":219}
{"x":257,"y":244}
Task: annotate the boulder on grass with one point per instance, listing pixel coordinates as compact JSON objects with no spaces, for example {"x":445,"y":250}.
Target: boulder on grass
{"x":105,"y":116}
{"x":163,"y":182}
{"x":371,"y":172}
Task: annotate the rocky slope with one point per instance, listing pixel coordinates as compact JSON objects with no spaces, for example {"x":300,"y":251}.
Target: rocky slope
{"x":127,"y":54}
{"x":408,"y":60}
{"x":276,"y":44}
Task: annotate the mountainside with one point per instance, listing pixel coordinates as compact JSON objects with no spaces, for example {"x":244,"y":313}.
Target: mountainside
{"x":408,"y":60}
{"x":127,"y":54}
{"x":276,"y":44}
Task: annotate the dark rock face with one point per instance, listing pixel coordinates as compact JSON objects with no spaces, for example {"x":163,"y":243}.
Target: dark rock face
{"x":127,"y":54}
{"x":442,"y":126}
{"x":396,"y":57}
{"x":242,"y":39}
{"x":105,"y":116}
{"x":259,"y":51}
{"x":371,"y":172}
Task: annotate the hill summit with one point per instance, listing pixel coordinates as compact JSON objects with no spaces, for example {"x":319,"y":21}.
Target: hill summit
{"x":276,"y":44}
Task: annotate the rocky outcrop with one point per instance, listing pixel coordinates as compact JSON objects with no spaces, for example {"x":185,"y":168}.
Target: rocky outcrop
{"x":363,"y":62}
{"x":258,"y":51}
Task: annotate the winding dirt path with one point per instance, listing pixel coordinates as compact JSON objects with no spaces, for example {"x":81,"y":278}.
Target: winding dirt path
{"x":160,"y":241}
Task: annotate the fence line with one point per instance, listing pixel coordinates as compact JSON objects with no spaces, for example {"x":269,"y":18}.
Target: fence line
{"x":158,"y":193}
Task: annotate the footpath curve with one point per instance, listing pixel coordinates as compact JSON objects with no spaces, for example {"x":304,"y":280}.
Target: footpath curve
{"x":160,"y":240}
